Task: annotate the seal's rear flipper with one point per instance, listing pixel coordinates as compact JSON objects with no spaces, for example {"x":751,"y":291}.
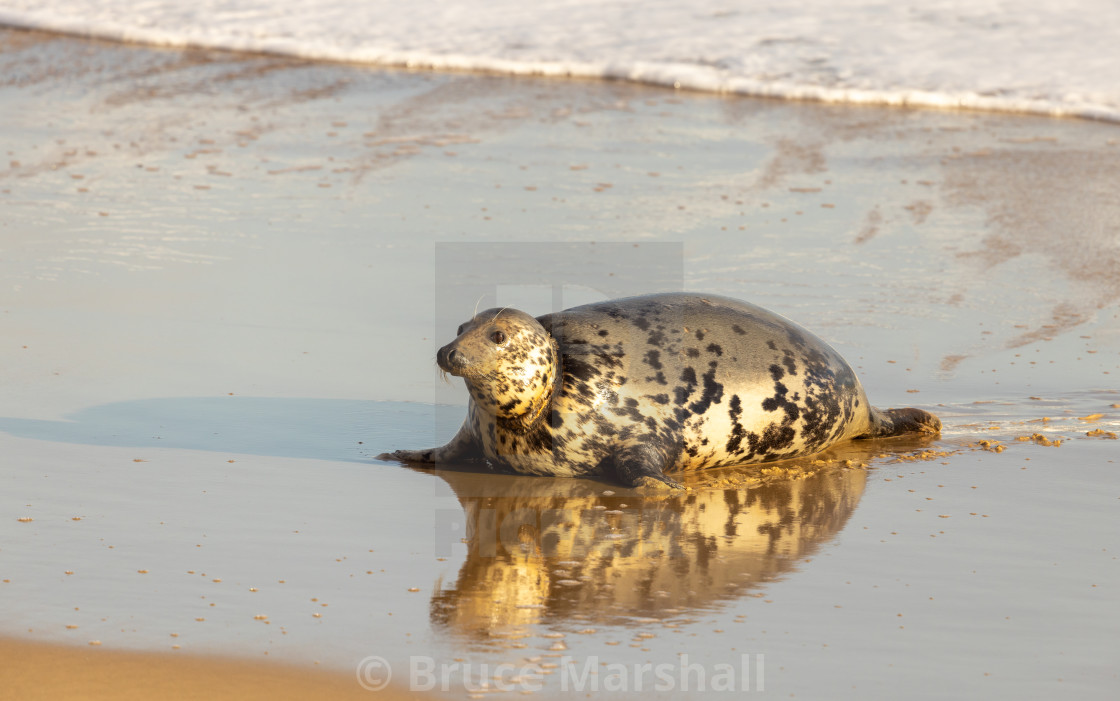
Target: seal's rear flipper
{"x":899,"y":422}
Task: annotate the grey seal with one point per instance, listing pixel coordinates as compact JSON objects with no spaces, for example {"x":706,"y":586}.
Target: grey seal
{"x":643,"y":386}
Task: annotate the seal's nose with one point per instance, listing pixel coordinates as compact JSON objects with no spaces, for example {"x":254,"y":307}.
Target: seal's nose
{"x":450,"y":360}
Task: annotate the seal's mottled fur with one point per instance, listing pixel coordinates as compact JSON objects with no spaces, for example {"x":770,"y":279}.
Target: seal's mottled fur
{"x":646,"y":385}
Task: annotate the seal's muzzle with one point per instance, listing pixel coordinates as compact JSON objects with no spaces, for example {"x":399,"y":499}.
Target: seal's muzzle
{"x":451,"y":360}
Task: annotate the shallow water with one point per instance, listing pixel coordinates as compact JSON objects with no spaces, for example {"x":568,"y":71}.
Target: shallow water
{"x":1042,"y":57}
{"x":224,"y":279}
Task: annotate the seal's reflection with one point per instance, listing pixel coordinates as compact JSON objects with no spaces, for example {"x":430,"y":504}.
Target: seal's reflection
{"x":542,"y":550}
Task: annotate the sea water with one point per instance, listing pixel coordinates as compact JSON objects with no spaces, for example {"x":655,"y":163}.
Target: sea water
{"x":1055,"y":57}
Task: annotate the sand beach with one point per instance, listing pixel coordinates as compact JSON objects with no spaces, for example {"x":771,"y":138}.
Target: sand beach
{"x":223,"y":279}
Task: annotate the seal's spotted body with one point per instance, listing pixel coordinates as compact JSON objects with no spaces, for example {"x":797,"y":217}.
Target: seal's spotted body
{"x":654,"y":384}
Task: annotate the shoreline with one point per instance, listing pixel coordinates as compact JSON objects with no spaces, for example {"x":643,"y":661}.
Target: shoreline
{"x":666,"y":76}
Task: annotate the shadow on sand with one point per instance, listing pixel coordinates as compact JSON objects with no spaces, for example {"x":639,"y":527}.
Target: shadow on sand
{"x":323,"y":429}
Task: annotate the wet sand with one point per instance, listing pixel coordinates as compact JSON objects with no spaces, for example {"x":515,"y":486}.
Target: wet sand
{"x":223,"y":279}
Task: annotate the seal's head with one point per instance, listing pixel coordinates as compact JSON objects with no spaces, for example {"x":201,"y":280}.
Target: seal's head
{"x":509,"y":362}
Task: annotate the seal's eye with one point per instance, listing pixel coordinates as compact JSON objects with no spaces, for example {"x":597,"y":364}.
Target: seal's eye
{"x":498,"y":337}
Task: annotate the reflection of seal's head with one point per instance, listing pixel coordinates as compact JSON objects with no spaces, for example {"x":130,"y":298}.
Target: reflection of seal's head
{"x":508,"y":361}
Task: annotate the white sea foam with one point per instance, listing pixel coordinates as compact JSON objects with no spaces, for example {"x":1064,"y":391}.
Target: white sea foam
{"x":1056,"y":57}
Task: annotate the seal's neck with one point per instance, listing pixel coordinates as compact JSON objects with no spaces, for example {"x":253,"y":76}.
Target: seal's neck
{"x":541,"y":404}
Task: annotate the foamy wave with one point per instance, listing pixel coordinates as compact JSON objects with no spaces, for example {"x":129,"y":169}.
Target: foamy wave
{"x":1038,"y":56}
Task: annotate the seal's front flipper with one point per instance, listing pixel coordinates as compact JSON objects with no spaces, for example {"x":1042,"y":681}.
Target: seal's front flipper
{"x":641,"y":466}
{"x":409,"y":455}
{"x":899,"y":422}
{"x":462,"y":447}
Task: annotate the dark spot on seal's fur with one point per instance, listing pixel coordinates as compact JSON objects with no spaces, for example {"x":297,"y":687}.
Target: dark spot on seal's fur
{"x":735,"y":442}
{"x":774,"y":438}
{"x":713,"y":392}
{"x":714,"y":348}
{"x":579,"y":369}
{"x":779,"y":401}
{"x":604,"y":332}
{"x":579,"y":377}
{"x":738,"y":329}
{"x":796,"y":338}
{"x":630,"y":411}
{"x":681,"y":394}
{"x":603,"y":426}
{"x":542,"y":439}
{"x":692,"y":353}
{"x":776,"y":372}
{"x":659,"y":398}
{"x":791,"y":367}
{"x":653,"y":359}
{"x":656,"y":338}
{"x":642,"y":323}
